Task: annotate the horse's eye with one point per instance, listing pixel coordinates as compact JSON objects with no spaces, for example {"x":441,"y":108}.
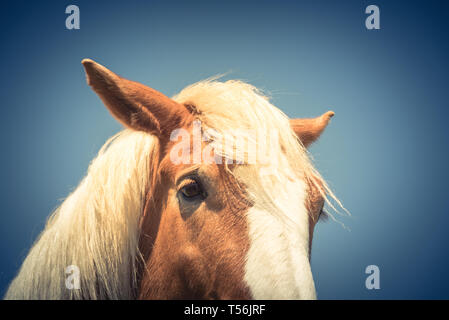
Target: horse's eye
{"x":192,"y":190}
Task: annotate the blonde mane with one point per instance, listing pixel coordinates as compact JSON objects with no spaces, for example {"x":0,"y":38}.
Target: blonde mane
{"x":96,"y":228}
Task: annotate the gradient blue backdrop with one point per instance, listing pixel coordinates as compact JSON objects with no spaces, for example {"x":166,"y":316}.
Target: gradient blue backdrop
{"x":385,"y":152}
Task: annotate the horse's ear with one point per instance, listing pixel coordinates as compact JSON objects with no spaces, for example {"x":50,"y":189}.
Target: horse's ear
{"x":309,"y":130}
{"x":133,"y":104}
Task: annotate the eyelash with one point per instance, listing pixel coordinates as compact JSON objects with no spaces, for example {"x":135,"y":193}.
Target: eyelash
{"x":189,"y":182}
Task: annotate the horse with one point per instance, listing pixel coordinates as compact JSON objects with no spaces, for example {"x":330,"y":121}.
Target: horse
{"x":175,"y":207}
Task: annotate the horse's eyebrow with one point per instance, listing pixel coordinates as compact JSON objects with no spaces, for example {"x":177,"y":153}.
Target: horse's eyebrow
{"x":186,"y":172}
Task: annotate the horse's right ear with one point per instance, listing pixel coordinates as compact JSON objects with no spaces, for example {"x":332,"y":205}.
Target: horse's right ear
{"x":309,"y":130}
{"x":133,"y":104}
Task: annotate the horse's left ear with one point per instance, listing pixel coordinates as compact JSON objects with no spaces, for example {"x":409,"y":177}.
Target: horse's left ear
{"x":309,"y":130}
{"x":133,"y":104}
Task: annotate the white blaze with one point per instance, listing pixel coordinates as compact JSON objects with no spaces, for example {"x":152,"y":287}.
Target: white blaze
{"x":278,"y":265}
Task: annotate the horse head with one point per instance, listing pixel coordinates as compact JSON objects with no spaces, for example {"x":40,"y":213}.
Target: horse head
{"x":216,"y":225}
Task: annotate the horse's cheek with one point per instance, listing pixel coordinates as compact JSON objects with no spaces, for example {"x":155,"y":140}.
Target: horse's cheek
{"x":194,"y":273}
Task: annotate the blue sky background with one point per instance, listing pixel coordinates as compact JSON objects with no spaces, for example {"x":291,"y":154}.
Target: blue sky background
{"x":385,"y":153}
